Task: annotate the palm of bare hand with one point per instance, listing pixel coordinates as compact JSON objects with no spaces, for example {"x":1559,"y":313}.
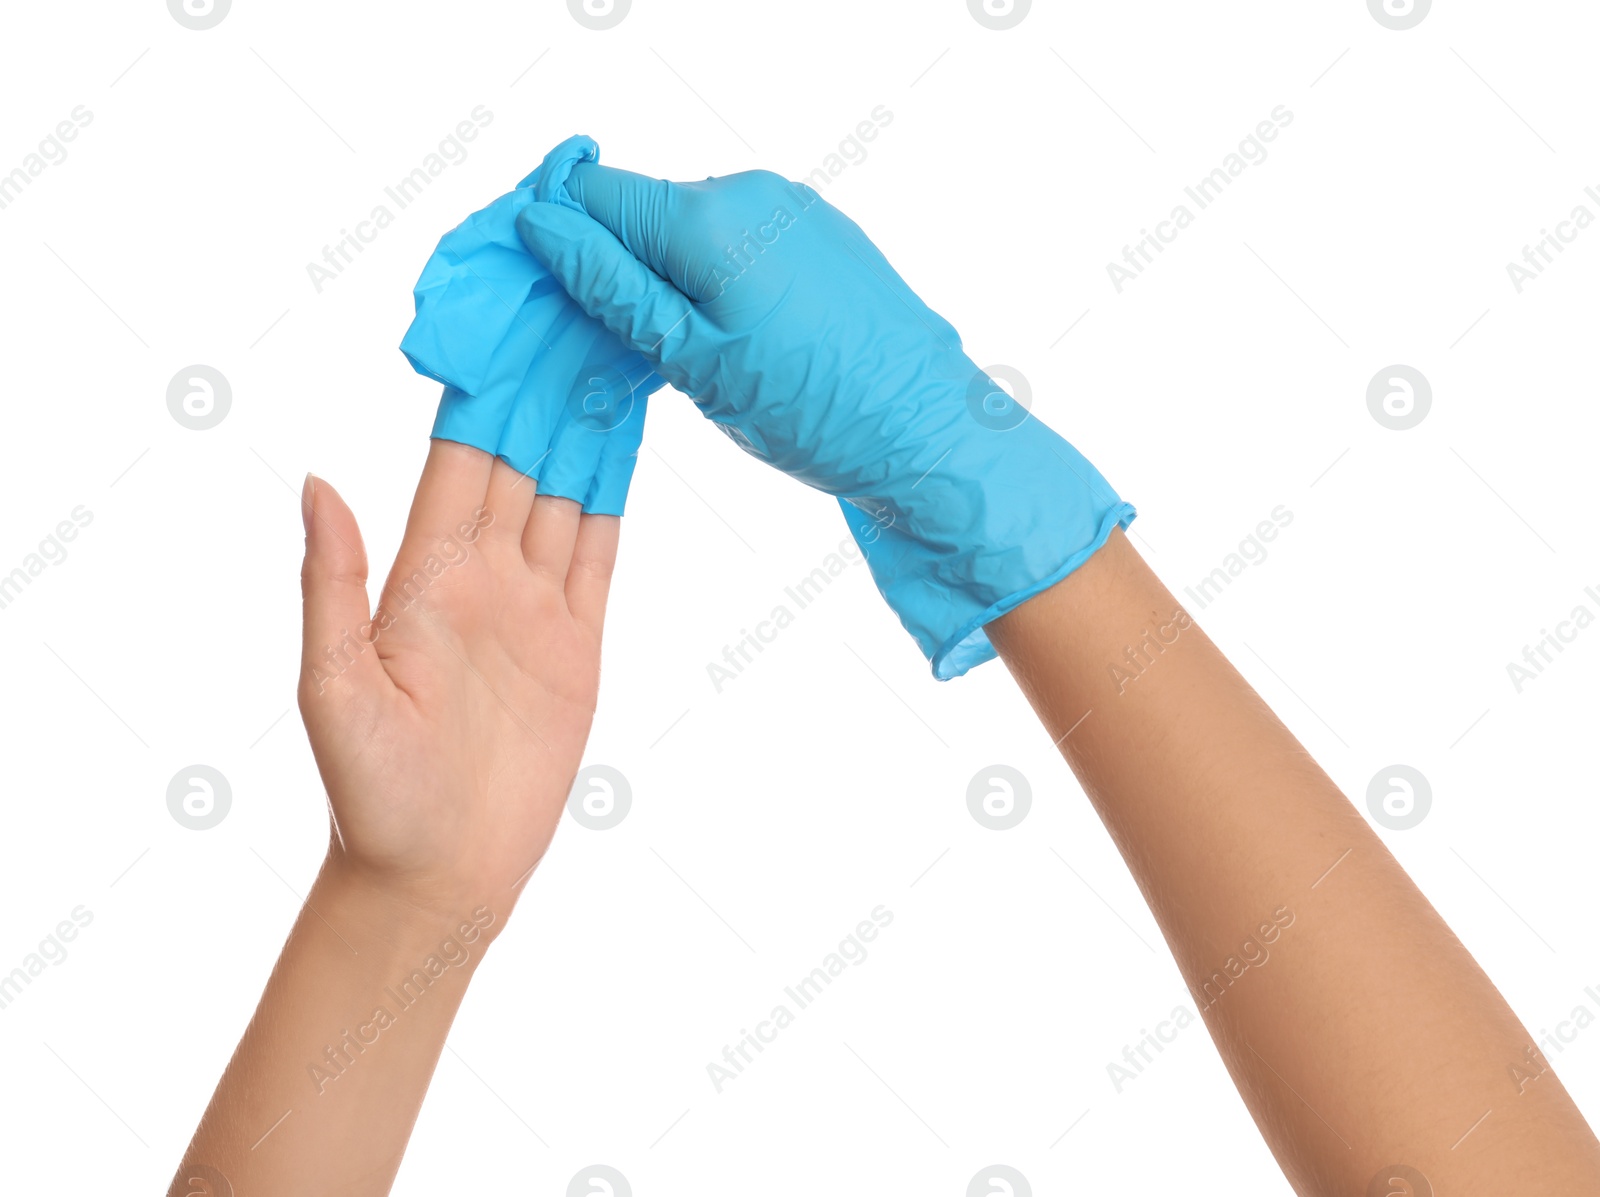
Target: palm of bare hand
{"x":448,"y":725}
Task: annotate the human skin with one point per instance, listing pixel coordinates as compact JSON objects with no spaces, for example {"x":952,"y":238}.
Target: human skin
{"x":1367,"y":1036}
{"x":447,"y":746}
{"x":1364,"y":1036}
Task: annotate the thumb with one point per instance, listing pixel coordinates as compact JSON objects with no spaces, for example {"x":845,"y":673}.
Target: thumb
{"x":606,"y":280}
{"x":650,"y":217}
{"x":333,"y":583}
{"x":634,"y":207}
{"x":691,"y":234}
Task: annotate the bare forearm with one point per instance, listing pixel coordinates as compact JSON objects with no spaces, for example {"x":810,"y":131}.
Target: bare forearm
{"x":326,"y":1083}
{"x":1360,"y":1032}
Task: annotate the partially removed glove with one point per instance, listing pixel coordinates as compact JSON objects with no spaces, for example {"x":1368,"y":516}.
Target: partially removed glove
{"x":787,"y":327}
{"x":527,"y":375}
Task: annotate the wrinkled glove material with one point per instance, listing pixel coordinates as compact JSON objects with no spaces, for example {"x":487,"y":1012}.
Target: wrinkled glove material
{"x":528,"y":375}
{"x":788,"y":328}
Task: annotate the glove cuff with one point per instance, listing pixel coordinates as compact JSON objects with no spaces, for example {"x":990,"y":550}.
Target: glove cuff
{"x":969,"y":644}
{"x":1005,"y":515}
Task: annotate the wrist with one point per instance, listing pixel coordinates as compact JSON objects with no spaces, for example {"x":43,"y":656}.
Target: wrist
{"x":393,"y":915}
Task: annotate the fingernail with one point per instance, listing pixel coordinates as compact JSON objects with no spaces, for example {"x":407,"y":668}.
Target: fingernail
{"x":308,"y":499}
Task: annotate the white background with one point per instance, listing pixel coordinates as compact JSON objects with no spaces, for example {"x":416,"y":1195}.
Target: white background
{"x":831,"y":776}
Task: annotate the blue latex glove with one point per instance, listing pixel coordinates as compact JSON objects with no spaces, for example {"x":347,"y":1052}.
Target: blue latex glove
{"x":528,"y":376}
{"x":782,"y":321}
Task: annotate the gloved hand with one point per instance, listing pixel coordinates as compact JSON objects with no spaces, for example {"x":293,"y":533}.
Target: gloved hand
{"x":528,"y":377}
{"x":780,"y":319}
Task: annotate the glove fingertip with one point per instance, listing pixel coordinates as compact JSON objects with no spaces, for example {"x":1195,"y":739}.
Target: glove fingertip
{"x":544,"y":226}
